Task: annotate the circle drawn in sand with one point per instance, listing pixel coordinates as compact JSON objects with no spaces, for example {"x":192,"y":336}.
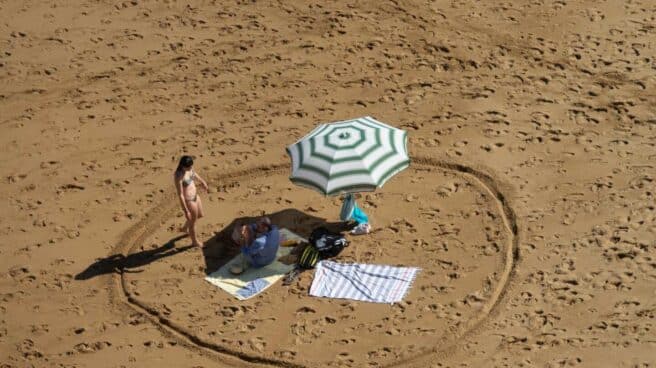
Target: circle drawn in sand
{"x":463,"y":278}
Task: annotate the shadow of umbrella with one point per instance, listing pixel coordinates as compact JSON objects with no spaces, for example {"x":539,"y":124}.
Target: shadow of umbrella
{"x":220,"y":249}
{"x":118,"y":263}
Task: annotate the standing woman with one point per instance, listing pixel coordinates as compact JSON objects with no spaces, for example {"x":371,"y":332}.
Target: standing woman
{"x":191,"y":205}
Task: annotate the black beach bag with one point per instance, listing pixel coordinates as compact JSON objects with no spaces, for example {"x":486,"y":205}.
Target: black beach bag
{"x":327,"y":243}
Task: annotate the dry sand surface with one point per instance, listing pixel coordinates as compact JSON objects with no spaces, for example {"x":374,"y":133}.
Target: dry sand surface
{"x":529,"y":205}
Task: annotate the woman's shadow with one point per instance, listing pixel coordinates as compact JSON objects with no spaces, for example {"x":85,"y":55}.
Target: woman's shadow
{"x":220,"y":249}
{"x":118,"y":263}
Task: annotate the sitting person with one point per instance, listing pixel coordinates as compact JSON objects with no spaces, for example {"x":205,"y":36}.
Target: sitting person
{"x":259,"y":244}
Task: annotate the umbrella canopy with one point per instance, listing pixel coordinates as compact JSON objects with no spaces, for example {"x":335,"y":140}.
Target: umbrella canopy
{"x":348,"y":156}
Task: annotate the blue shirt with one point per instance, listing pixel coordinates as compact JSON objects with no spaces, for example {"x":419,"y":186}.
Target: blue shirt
{"x":262,"y":251}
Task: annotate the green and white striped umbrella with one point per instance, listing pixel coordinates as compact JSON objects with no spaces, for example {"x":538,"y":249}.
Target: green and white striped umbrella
{"x":348,"y":156}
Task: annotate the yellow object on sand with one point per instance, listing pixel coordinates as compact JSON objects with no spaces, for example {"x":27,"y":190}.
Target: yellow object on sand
{"x":289,"y":243}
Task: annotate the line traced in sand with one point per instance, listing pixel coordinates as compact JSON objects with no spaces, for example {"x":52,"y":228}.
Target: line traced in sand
{"x":122,"y":299}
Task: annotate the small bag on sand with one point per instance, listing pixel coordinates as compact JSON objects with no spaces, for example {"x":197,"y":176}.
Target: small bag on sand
{"x":309,"y":257}
{"x":327,"y":243}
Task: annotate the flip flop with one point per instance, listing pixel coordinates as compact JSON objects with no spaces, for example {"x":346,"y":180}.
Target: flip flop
{"x":291,"y":276}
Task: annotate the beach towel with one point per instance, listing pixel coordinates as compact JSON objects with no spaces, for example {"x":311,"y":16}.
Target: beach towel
{"x":351,"y":211}
{"x":254,"y":280}
{"x":348,"y":205}
{"x":368,"y":283}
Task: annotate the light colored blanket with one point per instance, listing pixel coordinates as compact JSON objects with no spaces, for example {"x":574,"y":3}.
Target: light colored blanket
{"x":369,"y":283}
{"x":254,"y":280}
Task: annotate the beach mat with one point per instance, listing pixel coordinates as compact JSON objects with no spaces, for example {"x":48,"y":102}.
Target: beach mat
{"x":254,"y":280}
{"x":363,"y":282}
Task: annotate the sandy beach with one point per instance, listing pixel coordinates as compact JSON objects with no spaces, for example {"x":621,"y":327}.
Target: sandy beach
{"x":529,"y":204}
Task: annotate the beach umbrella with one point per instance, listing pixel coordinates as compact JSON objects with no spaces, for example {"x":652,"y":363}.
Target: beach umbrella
{"x":348,"y":156}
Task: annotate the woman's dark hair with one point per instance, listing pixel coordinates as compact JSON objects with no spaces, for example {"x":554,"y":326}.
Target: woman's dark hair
{"x":185,"y":162}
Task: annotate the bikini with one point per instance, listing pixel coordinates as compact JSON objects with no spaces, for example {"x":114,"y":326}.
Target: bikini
{"x":187,"y":182}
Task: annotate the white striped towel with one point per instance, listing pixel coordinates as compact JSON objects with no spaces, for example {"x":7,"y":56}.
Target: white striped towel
{"x":369,"y":283}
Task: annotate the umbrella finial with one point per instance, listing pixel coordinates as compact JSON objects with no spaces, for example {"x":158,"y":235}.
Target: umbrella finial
{"x":344,"y":135}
